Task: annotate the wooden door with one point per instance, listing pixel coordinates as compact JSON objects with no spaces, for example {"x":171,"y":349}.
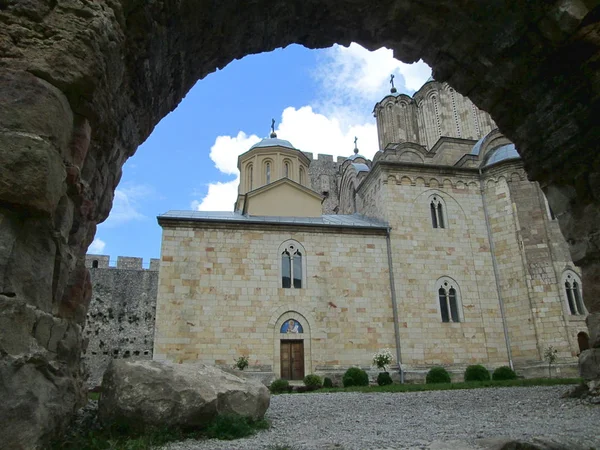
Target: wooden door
{"x":292,"y":360}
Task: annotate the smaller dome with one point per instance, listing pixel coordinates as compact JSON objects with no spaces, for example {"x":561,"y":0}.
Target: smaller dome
{"x":355,"y":156}
{"x":501,"y":153}
{"x":273,"y":142}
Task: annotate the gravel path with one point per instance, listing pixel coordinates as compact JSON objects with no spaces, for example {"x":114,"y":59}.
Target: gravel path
{"x":418,"y":420}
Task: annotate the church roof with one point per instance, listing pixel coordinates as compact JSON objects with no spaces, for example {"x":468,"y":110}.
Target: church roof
{"x":361,"y":167}
{"x":502,"y":153}
{"x":326,"y":220}
{"x":273,"y":142}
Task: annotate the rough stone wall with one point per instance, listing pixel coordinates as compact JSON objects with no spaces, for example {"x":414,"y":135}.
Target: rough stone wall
{"x":323,"y":175}
{"x":120,"y":320}
{"x":219,"y":297}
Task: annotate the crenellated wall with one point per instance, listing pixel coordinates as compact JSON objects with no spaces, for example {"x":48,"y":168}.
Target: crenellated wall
{"x":120,"y":319}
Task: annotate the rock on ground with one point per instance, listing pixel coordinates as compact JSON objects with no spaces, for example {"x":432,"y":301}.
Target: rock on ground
{"x":141,"y":394}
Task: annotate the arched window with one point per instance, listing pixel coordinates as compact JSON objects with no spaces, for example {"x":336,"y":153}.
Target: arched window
{"x":436,"y":207}
{"x":302,"y":176}
{"x":572,"y":292}
{"x":286,"y":169}
{"x":95,"y":264}
{"x":292,"y":265}
{"x":449,"y":300}
{"x":268,"y":172}
{"x":250,"y":176}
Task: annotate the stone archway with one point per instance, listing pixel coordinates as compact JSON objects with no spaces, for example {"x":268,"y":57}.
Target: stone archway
{"x":82,"y":84}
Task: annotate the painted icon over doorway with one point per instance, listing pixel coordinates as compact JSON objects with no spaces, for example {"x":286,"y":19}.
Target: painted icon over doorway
{"x":291,"y":326}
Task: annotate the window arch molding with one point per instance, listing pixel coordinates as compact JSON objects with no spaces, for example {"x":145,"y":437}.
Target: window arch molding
{"x":448,"y":299}
{"x":438,"y":211}
{"x":571,"y":292}
{"x":287,"y":169}
{"x":293,"y":252}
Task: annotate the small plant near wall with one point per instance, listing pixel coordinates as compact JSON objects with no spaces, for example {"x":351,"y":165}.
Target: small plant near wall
{"x":241,"y":363}
{"x":382,"y":359}
{"x":504,"y":373}
{"x":313,"y":380}
{"x":550,"y":355}
{"x":437,"y":375}
{"x":384,"y":379}
{"x":477,"y":373}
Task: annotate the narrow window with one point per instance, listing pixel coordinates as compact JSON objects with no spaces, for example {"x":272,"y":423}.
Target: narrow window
{"x":444,"y":305}
{"x":286,"y":167}
{"x":95,"y":264}
{"x":433,"y":215}
{"x":302,"y":176}
{"x":250,"y":176}
{"x":453,"y":305}
{"x":286,"y":270}
{"x":440,"y":215}
{"x":578,"y":301}
{"x":268,"y":172}
{"x":297,"y":264}
{"x":570,"y":298}
{"x":291,"y":267}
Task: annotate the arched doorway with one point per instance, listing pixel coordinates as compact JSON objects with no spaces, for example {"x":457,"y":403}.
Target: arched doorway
{"x":292,"y":349}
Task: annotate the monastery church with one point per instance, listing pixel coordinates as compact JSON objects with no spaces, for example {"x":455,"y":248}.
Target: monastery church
{"x":438,"y":249}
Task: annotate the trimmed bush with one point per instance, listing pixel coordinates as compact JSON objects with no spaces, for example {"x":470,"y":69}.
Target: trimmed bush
{"x":327,"y":382}
{"x":437,"y":375}
{"x":384,"y":379}
{"x":279,"y":386}
{"x":355,"y":376}
{"x":504,"y":373}
{"x":477,"y":372}
{"x":313,"y":380}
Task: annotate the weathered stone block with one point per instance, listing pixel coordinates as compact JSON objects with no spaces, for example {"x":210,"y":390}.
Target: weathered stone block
{"x":32,"y":172}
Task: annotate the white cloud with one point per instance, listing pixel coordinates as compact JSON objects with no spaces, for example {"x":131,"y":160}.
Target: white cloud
{"x":351,"y":81}
{"x":226,"y":149}
{"x":97,"y":246}
{"x":126,"y":204}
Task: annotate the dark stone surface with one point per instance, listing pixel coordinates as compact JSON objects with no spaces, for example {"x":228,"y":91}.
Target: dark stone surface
{"x":122,"y":65}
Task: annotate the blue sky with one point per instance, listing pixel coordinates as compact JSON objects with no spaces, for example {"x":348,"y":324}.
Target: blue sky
{"x":320,"y":100}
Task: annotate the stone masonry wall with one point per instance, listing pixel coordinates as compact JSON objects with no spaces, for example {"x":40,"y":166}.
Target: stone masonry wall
{"x":220,"y":296}
{"x":120,"y":320}
{"x":323,"y":175}
{"x":423,"y":255}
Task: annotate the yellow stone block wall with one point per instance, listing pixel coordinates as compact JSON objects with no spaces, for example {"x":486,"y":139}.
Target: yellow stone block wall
{"x":219,"y":296}
{"x":423,"y":254}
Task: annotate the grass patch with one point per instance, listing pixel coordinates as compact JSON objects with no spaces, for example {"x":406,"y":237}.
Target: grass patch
{"x":463,"y":385}
{"x":226,"y":427}
{"x":94,"y":395}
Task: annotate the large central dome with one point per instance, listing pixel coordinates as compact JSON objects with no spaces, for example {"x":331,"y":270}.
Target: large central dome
{"x":273,"y":142}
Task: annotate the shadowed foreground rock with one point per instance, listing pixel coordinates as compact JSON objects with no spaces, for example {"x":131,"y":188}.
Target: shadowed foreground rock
{"x":142,"y":394}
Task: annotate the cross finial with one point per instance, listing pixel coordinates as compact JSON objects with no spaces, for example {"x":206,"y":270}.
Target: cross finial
{"x":273,"y":134}
{"x":393,"y":90}
{"x":355,"y":146}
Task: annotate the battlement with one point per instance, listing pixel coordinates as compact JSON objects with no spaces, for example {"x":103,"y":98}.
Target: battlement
{"x":123,"y":262}
{"x":325,"y":158}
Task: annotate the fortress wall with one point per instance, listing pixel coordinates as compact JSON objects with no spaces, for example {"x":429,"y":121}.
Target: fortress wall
{"x":120,"y":320}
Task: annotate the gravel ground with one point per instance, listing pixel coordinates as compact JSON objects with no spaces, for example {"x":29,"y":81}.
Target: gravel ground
{"x":418,"y":420}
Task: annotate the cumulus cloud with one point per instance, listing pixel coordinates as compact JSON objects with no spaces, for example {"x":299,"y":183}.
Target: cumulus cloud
{"x":126,"y":204}
{"x":97,"y":246}
{"x":351,"y":81}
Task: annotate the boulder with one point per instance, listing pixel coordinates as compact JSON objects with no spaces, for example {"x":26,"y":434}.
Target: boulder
{"x":146,"y":394}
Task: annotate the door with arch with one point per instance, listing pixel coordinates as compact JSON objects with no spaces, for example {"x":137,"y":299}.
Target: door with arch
{"x":292,"y":359}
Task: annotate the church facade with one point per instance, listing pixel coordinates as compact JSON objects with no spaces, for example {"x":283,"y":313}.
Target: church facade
{"x":438,"y":249}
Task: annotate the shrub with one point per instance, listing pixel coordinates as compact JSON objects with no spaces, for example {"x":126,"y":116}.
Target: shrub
{"x":384,"y":378}
{"x":477,"y":373}
{"x":306,"y":388}
{"x":313,"y":380}
{"x":504,"y":373}
{"x":382,"y":359}
{"x":355,"y":376}
{"x":327,"y":382}
{"x":279,"y":386}
{"x":242,"y":362}
{"x":437,"y":375}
